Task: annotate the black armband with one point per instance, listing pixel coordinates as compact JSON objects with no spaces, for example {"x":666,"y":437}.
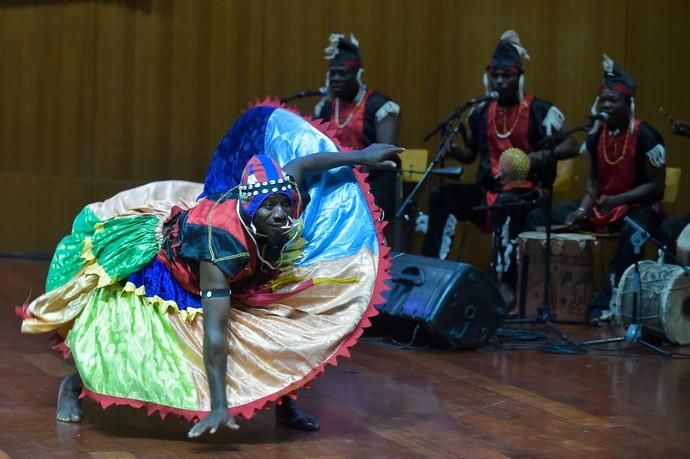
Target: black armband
{"x":220,"y":293}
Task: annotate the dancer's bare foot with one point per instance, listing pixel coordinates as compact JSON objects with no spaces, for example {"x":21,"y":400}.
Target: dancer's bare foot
{"x":288,"y":414}
{"x":68,"y":405}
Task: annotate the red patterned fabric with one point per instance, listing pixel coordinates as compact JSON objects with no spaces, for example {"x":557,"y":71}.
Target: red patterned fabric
{"x":618,"y":87}
{"x":187,"y":242}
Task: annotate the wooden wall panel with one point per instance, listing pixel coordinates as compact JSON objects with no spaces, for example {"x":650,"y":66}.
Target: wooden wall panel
{"x":106,"y":95}
{"x":235,"y":65}
{"x":46,"y":88}
{"x":658,"y":58}
{"x":39,"y":210}
{"x":172,"y":79}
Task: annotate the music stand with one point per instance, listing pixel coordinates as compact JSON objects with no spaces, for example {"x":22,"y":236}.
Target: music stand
{"x":633,"y":333}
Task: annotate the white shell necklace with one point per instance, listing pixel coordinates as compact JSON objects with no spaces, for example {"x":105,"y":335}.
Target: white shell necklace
{"x":360,"y":97}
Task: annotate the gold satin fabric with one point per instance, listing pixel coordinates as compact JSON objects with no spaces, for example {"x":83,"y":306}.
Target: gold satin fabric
{"x":273,"y":347}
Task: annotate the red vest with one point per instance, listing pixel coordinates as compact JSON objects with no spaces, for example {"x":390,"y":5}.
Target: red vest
{"x":515,"y":122}
{"x":351,"y":134}
{"x":616,"y":170}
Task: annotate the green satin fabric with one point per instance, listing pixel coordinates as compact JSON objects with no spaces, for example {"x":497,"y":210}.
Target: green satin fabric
{"x":120,"y":245}
{"x":124,"y":347}
{"x":126,"y":244}
{"x":67,"y":259}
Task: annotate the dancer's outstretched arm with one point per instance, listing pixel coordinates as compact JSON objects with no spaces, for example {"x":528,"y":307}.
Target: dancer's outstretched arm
{"x":376,"y":155}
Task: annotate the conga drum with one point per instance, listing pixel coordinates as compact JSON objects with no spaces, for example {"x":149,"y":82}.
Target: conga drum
{"x":663,"y":303}
{"x":683,"y":246}
{"x":572,"y":257}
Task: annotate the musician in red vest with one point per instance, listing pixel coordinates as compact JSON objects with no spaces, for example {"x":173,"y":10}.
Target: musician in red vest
{"x":514,"y":120}
{"x":360,"y":115}
{"x":627,"y":177}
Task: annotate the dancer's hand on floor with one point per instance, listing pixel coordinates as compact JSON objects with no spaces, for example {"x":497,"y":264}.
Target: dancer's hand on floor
{"x":214,"y":420}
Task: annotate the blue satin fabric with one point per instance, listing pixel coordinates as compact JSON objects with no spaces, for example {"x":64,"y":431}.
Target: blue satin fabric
{"x":337,"y":221}
{"x":242,"y":141}
{"x":157,"y":280}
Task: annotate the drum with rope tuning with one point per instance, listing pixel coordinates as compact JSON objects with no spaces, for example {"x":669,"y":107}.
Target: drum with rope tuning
{"x":663,"y":303}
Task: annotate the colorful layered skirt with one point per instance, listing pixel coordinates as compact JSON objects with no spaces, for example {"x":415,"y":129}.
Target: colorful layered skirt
{"x":136,"y":337}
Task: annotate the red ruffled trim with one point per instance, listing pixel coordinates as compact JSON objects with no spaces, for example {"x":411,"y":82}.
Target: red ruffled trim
{"x":23,"y":311}
{"x":384,"y":263}
{"x":60,"y":346}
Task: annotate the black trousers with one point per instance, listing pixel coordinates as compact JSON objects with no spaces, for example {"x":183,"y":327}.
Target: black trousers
{"x":625,"y":255}
{"x":459,"y":200}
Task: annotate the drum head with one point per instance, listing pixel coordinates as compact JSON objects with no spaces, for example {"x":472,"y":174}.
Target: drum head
{"x":538,"y":235}
{"x":683,"y":242}
{"x":574,"y":237}
{"x":683,"y":246}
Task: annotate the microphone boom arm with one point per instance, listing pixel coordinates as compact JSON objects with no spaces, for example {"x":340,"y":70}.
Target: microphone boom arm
{"x":443,"y":125}
{"x":302,"y":94}
{"x":440,"y":155}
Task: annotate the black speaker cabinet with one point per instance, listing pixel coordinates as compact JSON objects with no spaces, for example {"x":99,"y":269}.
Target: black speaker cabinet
{"x":457,"y":303}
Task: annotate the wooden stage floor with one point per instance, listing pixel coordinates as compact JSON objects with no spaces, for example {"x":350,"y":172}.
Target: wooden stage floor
{"x":381,"y":403}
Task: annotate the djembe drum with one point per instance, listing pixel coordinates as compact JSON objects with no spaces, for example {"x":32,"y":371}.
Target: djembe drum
{"x":571,"y":271}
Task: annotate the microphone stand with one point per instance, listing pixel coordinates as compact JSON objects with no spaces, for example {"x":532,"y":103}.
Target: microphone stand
{"x":449,"y":133}
{"x":548,"y":177}
{"x":634,"y":334}
{"x":443,"y":125}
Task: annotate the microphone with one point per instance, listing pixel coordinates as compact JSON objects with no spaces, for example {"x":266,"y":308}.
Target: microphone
{"x":603,"y":116}
{"x":306,"y":93}
{"x":493,"y":95}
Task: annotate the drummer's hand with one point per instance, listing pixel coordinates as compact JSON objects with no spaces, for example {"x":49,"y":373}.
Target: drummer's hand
{"x":537,"y":159}
{"x":681,"y":128}
{"x":576,"y":218}
{"x":607,"y":203}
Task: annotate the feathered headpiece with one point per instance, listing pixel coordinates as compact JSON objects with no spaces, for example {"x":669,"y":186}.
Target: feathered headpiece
{"x":341,"y":51}
{"x":508,"y":55}
{"x":617,"y":79}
